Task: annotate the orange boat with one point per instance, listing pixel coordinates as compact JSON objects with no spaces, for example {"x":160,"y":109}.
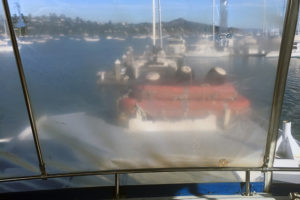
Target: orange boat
{"x":190,"y":102}
{"x":176,"y":92}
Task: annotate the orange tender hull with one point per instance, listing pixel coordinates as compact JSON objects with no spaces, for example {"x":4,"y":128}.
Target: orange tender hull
{"x":178,"y":102}
{"x":203,"y":92}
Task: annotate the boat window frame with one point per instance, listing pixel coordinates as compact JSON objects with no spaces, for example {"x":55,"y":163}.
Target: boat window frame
{"x":289,"y":29}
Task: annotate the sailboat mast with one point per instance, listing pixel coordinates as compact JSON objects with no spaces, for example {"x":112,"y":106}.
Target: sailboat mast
{"x":160,"y":26}
{"x":213,"y":20}
{"x":264,"y":22}
{"x":297,"y":26}
{"x":154,"y":25}
{"x":4,"y":24}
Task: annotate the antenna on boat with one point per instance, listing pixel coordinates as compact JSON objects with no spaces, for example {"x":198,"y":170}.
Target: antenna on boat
{"x":20,"y":24}
{"x":154,"y":25}
{"x":160,"y":26}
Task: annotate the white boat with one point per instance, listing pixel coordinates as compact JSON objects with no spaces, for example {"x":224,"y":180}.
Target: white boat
{"x":295,"y":50}
{"x":176,"y":46}
{"x":255,"y":51}
{"x":296,"y":47}
{"x":40,"y":40}
{"x":24,"y":41}
{"x":251,"y":45}
{"x":141,"y":36}
{"x":152,"y":65}
{"x":5,"y":47}
{"x":119,"y":38}
{"x":212,"y":47}
{"x":114,"y":38}
{"x":109,"y":37}
{"x":272,"y":54}
{"x":287,"y":155}
{"x":91,"y":39}
{"x":206,"y":48}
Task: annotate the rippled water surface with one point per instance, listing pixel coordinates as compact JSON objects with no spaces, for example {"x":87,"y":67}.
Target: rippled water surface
{"x":61,"y":75}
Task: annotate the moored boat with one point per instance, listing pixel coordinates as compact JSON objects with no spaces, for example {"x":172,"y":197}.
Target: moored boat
{"x":162,"y":104}
{"x":176,"y":46}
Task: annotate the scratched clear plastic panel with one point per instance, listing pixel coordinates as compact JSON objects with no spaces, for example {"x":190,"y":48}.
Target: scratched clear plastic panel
{"x":61,"y":183}
{"x":187,"y":177}
{"x":111,"y":90}
{"x":17,"y":151}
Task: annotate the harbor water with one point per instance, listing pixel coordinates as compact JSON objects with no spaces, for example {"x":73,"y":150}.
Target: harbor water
{"x":62,"y":75}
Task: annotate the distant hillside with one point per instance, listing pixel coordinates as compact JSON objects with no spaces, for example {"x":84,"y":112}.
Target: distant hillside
{"x":55,"y":25}
{"x":182,"y":26}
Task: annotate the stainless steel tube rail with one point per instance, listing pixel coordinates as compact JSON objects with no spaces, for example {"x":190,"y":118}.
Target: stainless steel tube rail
{"x":118,"y":172}
{"x":117,"y":187}
{"x":24,"y":87}
{"x":289,"y":29}
{"x":248,"y":189}
{"x":150,"y":170}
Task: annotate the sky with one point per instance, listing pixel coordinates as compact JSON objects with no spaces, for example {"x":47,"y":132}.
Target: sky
{"x":241,"y":13}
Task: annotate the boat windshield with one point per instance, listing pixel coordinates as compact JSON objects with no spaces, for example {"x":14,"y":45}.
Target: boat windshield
{"x":127,"y":84}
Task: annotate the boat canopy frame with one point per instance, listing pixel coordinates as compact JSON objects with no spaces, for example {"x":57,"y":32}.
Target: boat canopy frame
{"x":289,"y":29}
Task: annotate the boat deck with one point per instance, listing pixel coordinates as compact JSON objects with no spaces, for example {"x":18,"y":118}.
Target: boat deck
{"x":264,"y":196}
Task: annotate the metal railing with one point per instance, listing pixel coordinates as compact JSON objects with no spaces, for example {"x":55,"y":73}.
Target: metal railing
{"x":289,"y":29}
{"x":24,"y":86}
